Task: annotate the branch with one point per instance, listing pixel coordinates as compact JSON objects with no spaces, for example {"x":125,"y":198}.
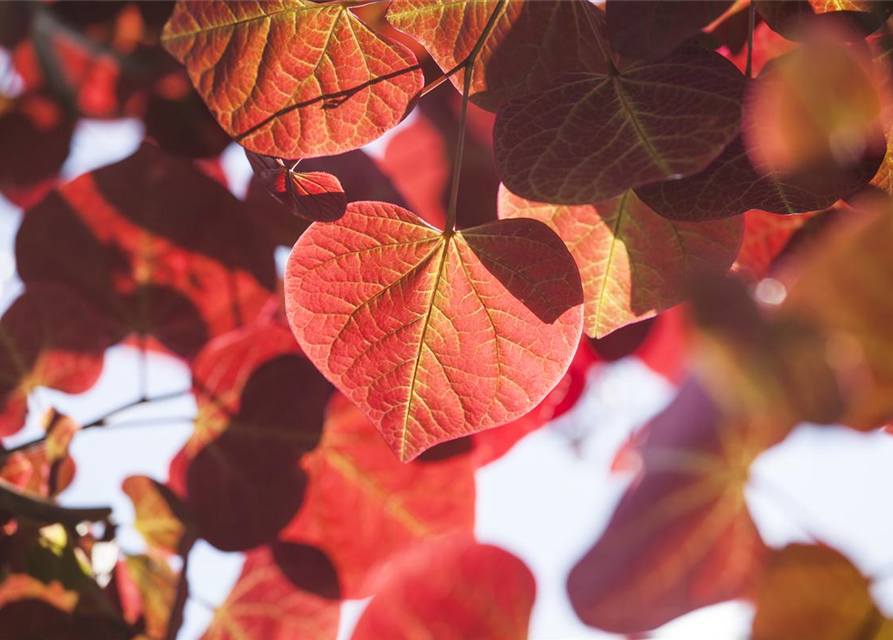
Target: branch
{"x":12,"y":499}
{"x":175,"y":621}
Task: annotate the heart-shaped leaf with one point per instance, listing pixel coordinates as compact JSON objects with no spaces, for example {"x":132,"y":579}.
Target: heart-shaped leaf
{"x":293,"y":78}
{"x":434,"y":335}
{"x":528,"y":45}
{"x":588,"y":137}
{"x":633,"y":263}
{"x":313,"y":195}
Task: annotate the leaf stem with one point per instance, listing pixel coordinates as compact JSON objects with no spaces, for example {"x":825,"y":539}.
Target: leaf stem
{"x":468,"y":65}
{"x":101,"y":421}
{"x":751,"y":18}
{"x":182,"y":595}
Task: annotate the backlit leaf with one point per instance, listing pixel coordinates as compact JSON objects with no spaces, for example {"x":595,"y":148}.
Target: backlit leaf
{"x":49,"y":337}
{"x":160,"y":517}
{"x":651,"y":29}
{"x":814,"y":592}
{"x":157,"y":585}
{"x":529,"y":44}
{"x":452,"y":589}
{"x":154,"y":246}
{"x":265,"y":603}
{"x":312,"y":195}
{"x":799,"y":19}
{"x":633,"y":263}
{"x":293,"y":78}
{"x":434,"y":336}
{"x":356,"y":484}
{"x":588,"y":137}
{"x":731,"y":185}
{"x":681,"y":537}
{"x":765,"y":237}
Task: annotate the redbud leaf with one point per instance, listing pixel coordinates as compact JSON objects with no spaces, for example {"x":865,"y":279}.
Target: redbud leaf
{"x":160,"y":516}
{"x":434,"y":336}
{"x":633,"y":263}
{"x":587,"y":137}
{"x":293,"y":78}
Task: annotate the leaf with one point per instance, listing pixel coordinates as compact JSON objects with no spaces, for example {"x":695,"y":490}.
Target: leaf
{"x":681,"y":537}
{"x":528,"y":45}
{"x":633,"y":263}
{"x":588,"y":137}
{"x":652,"y":29}
{"x":154,"y":246}
{"x":48,"y":338}
{"x":434,"y":336}
{"x":46,"y":469}
{"x":800,"y":19}
{"x":842,"y":289}
{"x":314,"y":195}
{"x":293,"y":78}
{"x":21,"y":586}
{"x":356,"y":484}
{"x":157,"y":585}
{"x":160,"y":516}
{"x":731,"y":185}
{"x":765,"y":237}
{"x":812,"y":591}
{"x":260,"y":408}
{"x":265,"y":604}
{"x":451,"y":589}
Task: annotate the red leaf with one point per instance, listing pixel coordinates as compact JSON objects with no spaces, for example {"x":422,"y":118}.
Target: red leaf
{"x":765,"y":237}
{"x":681,"y":537}
{"x":814,"y":592}
{"x":452,"y":589}
{"x":800,"y":19}
{"x":314,"y":195}
{"x":155,"y":246}
{"x":293,"y":78}
{"x":651,"y":29}
{"x":433,"y":335}
{"x":731,"y":186}
{"x":49,"y":337}
{"x":529,"y":44}
{"x":356,"y":484}
{"x":157,"y":585}
{"x":633,"y":263}
{"x":265,"y":604}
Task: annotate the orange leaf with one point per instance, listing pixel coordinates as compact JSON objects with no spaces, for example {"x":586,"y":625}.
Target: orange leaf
{"x":633,"y":263}
{"x":434,"y":335}
{"x":293,"y":78}
{"x":157,"y":585}
{"x":160,"y":516}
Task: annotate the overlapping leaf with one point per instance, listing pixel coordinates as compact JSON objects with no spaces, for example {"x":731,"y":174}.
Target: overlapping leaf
{"x":528,"y":45}
{"x":588,"y":137}
{"x":46,"y":469}
{"x":731,"y":186}
{"x":452,"y":589}
{"x":160,"y":516}
{"x":49,"y":337}
{"x":265,"y":603}
{"x":155,"y":246}
{"x":681,"y":537}
{"x":433,"y":335}
{"x":814,"y":592}
{"x":651,"y":29}
{"x":293,"y":78}
{"x":633,"y":263}
{"x":157,"y":585}
{"x":260,"y":409}
{"x":356,"y":484}
{"x":765,"y":237}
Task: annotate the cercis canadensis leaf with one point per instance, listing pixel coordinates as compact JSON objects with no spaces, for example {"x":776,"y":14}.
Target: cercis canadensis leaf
{"x":434,"y":335}
{"x":588,"y":137}
{"x":731,"y":186}
{"x":801,"y":19}
{"x":454,"y":588}
{"x":682,"y":525}
{"x":293,"y":78}
{"x":633,"y":263}
{"x":160,"y":516}
{"x":651,"y":29}
{"x":313,"y":195}
{"x":528,"y":45}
